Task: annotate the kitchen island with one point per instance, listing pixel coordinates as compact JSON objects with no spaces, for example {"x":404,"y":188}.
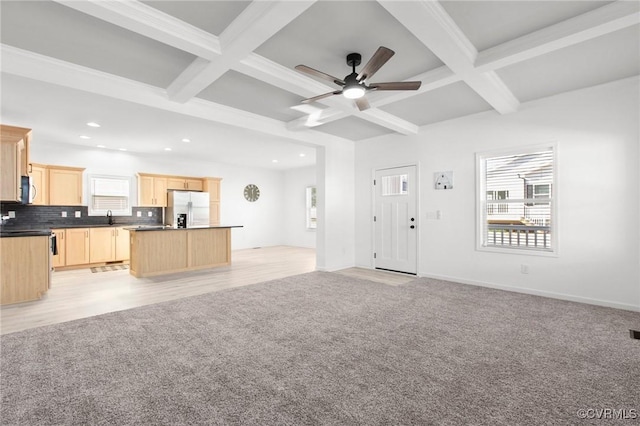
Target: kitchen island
{"x":161,"y":250}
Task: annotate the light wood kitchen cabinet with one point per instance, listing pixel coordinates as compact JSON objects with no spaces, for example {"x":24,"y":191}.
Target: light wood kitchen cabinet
{"x":102,"y":244}
{"x":212,"y":186}
{"x":14,"y":159}
{"x":65,"y":186}
{"x":184,"y":184}
{"x":40,"y":180}
{"x":108,"y":244}
{"x":122,"y":244}
{"x":60,"y":259}
{"x":152,"y":191}
{"x":77,"y":246}
{"x":24,"y":268}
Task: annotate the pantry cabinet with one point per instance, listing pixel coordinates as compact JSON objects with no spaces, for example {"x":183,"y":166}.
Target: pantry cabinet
{"x":212,"y":186}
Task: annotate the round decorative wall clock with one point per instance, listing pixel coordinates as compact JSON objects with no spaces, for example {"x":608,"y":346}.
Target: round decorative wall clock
{"x":251,"y":193}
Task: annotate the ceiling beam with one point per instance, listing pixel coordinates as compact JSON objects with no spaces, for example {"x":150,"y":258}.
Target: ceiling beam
{"x":150,"y":22}
{"x":50,"y":70}
{"x":255,"y":25}
{"x":429,"y":22}
{"x":598,"y":22}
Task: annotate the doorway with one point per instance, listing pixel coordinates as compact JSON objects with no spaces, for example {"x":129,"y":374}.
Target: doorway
{"x":396,"y":219}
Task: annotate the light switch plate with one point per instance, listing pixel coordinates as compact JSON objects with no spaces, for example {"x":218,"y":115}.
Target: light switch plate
{"x":78,"y":214}
{"x":64,"y":214}
{"x":139,"y":214}
{"x":12,"y":214}
{"x":150,"y":214}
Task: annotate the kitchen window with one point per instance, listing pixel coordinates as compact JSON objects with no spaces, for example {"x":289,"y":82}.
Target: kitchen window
{"x":516,"y":201}
{"x":109,"y":193}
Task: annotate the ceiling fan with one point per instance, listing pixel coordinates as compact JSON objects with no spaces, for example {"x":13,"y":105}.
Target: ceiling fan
{"x":354,"y":85}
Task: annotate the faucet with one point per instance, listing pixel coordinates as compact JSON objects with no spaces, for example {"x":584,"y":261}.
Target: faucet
{"x":110,"y":216}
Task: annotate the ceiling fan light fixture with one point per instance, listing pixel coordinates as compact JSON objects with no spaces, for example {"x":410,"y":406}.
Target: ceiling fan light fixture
{"x":353,"y":92}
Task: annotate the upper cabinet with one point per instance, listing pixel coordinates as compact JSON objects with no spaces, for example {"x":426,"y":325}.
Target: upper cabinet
{"x":65,"y":186}
{"x":40,"y":180}
{"x":14,"y":160}
{"x":184,"y":184}
{"x":152,"y":190}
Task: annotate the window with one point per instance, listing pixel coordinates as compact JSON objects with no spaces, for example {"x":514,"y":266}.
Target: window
{"x":109,"y":193}
{"x":394,"y":185}
{"x":312,"y":217}
{"x":515,"y":200}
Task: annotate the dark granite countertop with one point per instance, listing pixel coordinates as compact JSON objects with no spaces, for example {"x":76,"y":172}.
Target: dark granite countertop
{"x":25,"y":233}
{"x":169,"y":228}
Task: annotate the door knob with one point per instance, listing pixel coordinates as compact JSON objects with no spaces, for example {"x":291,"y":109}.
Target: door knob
{"x":412,"y":226}
{"x":412,"y":219}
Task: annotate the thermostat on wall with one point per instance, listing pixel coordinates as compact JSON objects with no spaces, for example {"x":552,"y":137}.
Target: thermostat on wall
{"x":444,"y":180}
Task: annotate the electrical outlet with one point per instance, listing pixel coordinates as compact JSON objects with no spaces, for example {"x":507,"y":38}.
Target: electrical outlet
{"x":12,"y":214}
{"x":150,"y":214}
{"x":78,"y":213}
{"x":64,"y":214}
{"x":139,"y":214}
{"x":524,"y":269}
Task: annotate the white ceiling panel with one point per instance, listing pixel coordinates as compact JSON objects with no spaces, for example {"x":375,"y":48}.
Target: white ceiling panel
{"x":211,"y":16}
{"x":610,"y":57}
{"x":441,"y":104}
{"x":57,"y":31}
{"x":248,"y":94}
{"x":353,"y":128}
{"x":490,"y":23}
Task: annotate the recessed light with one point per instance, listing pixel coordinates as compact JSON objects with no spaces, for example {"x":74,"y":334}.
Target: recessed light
{"x":93,"y":124}
{"x":303,"y":155}
{"x":274,"y":161}
{"x":85,"y":137}
{"x":186,"y":140}
{"x":122,"y":149}
{"x":167,"y":149}
{"x":101,"y":146}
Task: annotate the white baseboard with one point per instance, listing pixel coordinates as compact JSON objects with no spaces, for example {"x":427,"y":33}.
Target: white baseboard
{"x":553,"y":295}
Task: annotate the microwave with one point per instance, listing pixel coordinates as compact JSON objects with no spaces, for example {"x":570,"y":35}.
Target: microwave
{"x":27,"y":190}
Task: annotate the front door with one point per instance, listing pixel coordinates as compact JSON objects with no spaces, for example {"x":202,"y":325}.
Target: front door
{"x":396,"y":220}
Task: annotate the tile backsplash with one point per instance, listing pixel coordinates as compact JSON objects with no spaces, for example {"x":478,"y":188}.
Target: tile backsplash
{"x":30,"y":216}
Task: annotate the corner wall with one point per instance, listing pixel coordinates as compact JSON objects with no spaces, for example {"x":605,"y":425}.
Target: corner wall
{"x":296,"y":182}
{"x":597,"y":135}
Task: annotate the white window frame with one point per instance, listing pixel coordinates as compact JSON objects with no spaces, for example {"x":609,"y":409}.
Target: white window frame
{"x":481,"y":196}
{"x":115,"y":212}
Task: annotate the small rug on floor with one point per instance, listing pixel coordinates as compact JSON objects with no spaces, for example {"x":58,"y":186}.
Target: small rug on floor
{"x":109,"y":268}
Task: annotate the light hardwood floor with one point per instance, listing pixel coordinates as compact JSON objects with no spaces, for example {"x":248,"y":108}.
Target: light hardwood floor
{"x":80,"y":293}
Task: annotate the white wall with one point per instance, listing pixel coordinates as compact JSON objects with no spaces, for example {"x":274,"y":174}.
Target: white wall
{"x":296,"y":182}
{"x":262,"y":220}
{"x":597,"y":135}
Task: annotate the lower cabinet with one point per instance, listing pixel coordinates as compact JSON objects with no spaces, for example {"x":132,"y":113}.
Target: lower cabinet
{"x":77,"y":246}
{"x":82,"y":246}
{"x":108,"y":244}
{"x":24,"y":268}
{"x":60,"y":258}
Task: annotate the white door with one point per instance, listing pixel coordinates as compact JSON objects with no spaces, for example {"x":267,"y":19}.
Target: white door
{"x":396,"y":220}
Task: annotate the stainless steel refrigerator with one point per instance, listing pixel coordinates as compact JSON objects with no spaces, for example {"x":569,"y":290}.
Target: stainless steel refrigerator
{"x":194,"y":204}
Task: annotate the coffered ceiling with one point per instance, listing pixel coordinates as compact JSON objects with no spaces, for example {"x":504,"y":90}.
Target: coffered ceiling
{"x":221,"y":73}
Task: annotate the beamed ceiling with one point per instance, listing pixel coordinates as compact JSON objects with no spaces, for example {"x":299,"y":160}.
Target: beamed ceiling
{"x":221,"y":73}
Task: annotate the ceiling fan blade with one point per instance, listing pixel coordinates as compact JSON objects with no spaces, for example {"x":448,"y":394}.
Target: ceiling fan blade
{"x":324,"y":95}
{"x":378,"y":59}
{"x":320,"y":74}
{"x":398,"y":85}
{"x":362,"y":103}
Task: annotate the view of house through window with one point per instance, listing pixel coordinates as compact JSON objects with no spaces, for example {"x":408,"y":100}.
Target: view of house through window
{"x":311,"y":208}
{"x":516,"y":200}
